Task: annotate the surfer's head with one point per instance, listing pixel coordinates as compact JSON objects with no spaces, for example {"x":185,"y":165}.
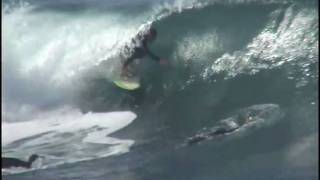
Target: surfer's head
{"x":33,"y":157}
{"x":152,"y":34}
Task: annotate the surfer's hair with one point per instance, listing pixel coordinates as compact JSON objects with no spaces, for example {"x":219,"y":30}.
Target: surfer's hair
{"x":33,"y":157}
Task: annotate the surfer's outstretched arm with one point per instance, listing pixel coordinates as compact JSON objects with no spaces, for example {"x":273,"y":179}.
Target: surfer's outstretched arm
{"x":148,"y":52}
{"x":153,"y":56}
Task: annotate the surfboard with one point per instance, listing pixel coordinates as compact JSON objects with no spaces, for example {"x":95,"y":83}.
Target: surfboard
{"x":128,"y":85}
{"x":130,"y":79}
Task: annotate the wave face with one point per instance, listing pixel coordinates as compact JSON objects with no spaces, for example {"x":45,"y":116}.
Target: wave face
{"x":59,"y":59}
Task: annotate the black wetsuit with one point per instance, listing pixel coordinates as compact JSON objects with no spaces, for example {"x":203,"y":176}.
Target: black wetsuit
{"x":140,"y":51}
{"x":13,"y":162}
{"x":222,"y":131}
{"x":7,"y":162}
{"x":204,"y":136}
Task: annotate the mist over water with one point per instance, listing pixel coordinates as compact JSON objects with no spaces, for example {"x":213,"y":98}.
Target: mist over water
{"x":59,"y":59}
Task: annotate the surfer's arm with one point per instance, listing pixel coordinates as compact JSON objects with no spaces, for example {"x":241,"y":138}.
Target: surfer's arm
{"x":148,"y":52}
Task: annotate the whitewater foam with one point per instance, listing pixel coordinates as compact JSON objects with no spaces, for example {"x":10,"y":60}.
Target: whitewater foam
{"x":67,"y":135}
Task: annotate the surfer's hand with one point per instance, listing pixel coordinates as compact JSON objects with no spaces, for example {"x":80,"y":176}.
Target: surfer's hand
{"x":163,"y":62}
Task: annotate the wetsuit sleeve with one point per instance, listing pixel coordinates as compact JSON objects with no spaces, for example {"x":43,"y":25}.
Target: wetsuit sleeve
{"x":153,"y":56}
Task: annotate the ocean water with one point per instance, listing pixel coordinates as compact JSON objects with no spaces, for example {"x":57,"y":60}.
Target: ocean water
{"x":250,"y":62}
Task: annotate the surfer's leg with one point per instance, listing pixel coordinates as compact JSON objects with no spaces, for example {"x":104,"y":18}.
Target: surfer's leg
{"x":138,"y":54}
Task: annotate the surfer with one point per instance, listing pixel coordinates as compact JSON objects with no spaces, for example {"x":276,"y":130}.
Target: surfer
{"x":7,"y":162}
{"x":141,"y":49}
{"x":220,"y":131}
{"x":226,"y":127}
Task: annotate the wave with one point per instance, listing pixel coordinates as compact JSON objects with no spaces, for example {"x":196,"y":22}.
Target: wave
{"x":51,"y":57}
{"x":56,"y":57}
{"x":222,"y":38}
